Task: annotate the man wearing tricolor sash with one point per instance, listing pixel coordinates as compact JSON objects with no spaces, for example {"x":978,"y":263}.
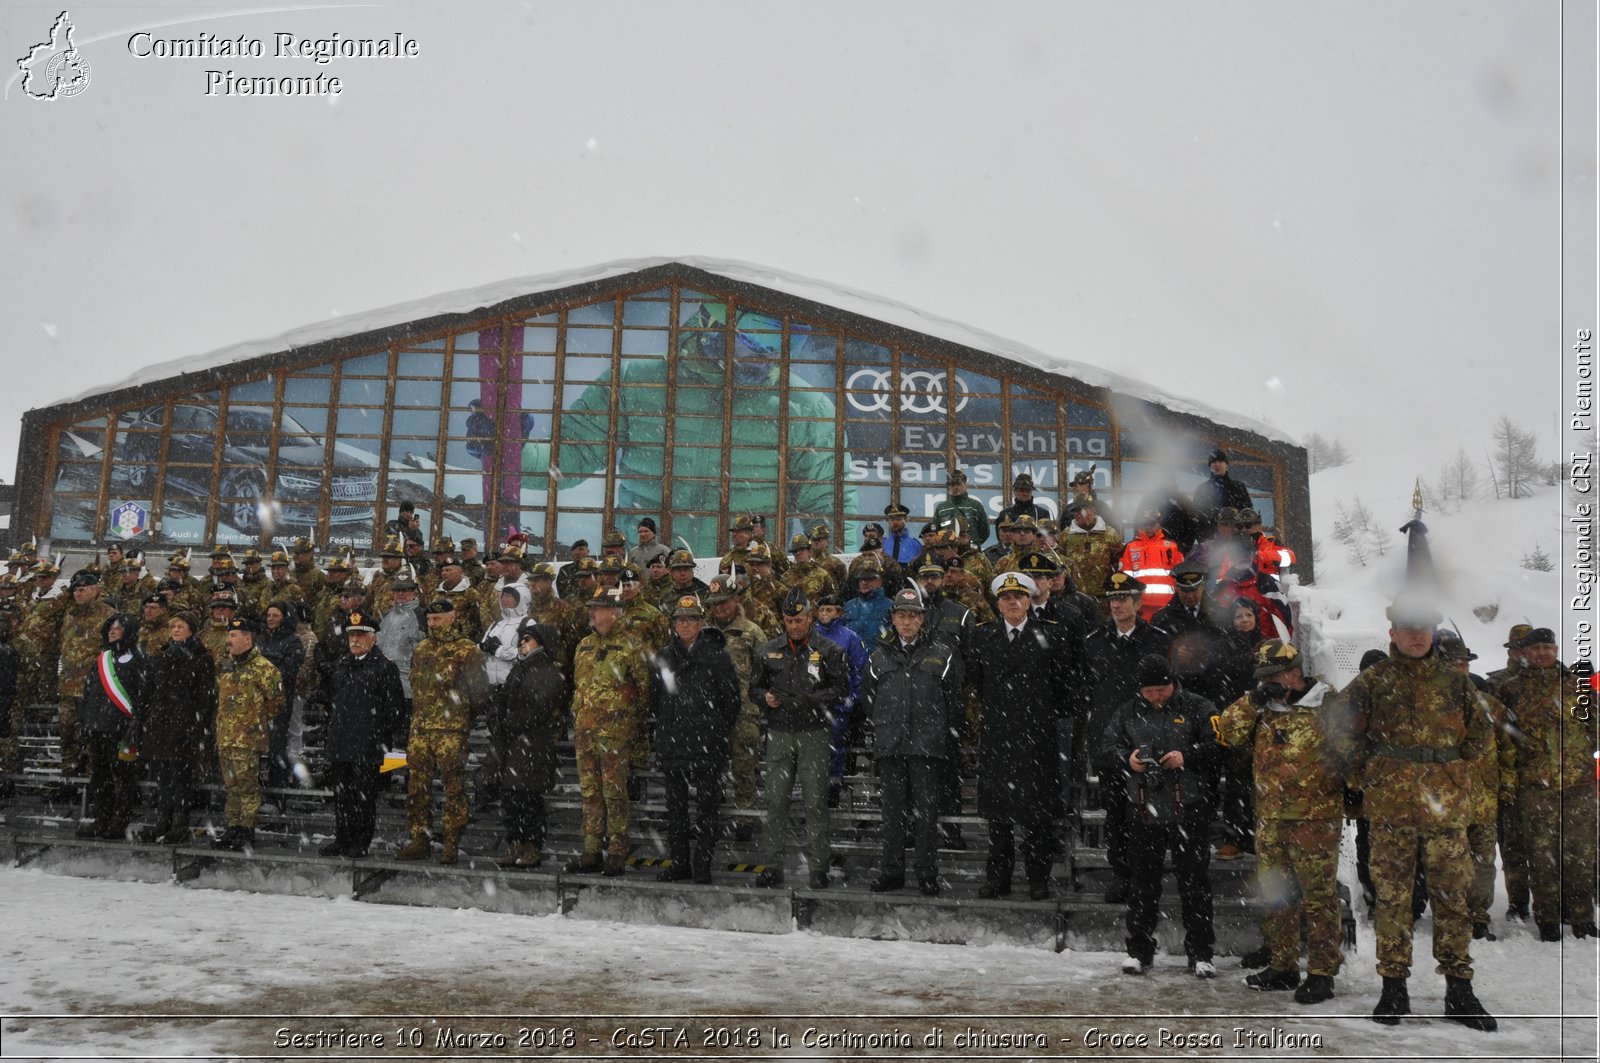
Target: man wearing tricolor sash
{"x":109,"y":712}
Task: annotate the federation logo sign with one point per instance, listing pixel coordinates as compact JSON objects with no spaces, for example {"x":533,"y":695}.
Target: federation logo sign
{"x":129,"y":519}
{"x":55,"y":69}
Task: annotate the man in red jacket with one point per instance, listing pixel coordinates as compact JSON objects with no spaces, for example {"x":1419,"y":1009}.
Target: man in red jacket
{"x":1150,"y":558}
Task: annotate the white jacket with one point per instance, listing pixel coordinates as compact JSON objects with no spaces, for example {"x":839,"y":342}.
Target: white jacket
{"x":497,"y":665}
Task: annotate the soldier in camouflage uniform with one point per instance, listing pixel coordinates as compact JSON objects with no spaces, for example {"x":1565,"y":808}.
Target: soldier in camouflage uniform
{"x":471,"y":563}
{"x":79,"y":648}
{"x":765,"y":588}
{"x":448,"y":687}
{"x":611,"y":680}
{"x":1555,"y":784}
{"x":249,"y":698}
{"x":822,"y":554}
{"x":649,"y":626}
{"x":454,"y":585}
{"x":545,"y":608}
{"x":380,"y":588}
{"x":1092,"y":547}
{"x":1417,"y":729}
{"x":335,"y":582}
{"x":306,"y":575}
{"x":214,"y":638}
{"x":154,"y":629}
{"x":758,"y":541}
{"x":959,"y":584}
{"x":738,"y":554}
{"x":1299,"y":745}
{"x":806,"y":575}
{"x":684,"y":581}
{"x":658,"y":577}
{"x":756,"y":611}
{"x":255,"y":586}
{"x":280,"y":588}
{"x":1513,"y":846}
{"x":130,"y":585}
{"x":1024,"y":541}
{"x":38,"y":645}
{"x":894,"y":577}
{"x":744,"y":640}
{"x":1495,"y":775}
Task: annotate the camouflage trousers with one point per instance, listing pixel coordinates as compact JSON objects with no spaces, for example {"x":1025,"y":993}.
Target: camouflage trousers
{"x":67,"y":728}
{"x":1513,"y":856}
{"x":1560,"y":828}
{"x":1449,"y":872}
{"x":744,"y":744}
{"x":1297,"y":865}
{"x":441,"y":753}
{"x":603,"y":762}
{"x":1481,"y":839}
{"x":241,"y":781}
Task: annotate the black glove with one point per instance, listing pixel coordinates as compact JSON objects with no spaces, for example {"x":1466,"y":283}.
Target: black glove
{"x":489,"y":644}
{"x":1352,"y":803}
{"x":1268,"y":692}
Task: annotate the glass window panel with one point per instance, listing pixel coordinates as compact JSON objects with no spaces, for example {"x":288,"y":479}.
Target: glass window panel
{"x":586,"y":369}
{"x":72,"y":519}
{"x":465,"y":454}
{"x":193,"y":434}
{"x":593,"y":314}
{"x":696,"y":310}
{"x":147,"y":417}
{"x":436,"y":344}
{"x":533,"y":367}
{"x":648,"y":460}
{"x":376,"y":364}
{"x":813,"y":375}
{"x":753,"y":433}
{"x":413,"y":453}
{"x":253,"y":391}
{"x":702,"y":532}
{"x":358,"y":452}
{"x":353,"y":485}
{"x":589,"y":341}
{"x":977,"y":439}
{"x":1086,"y":445}
{"x":326,"y":369}
{"x":467,"y":392}
{"x":539,"y":339}
{"x":923,"y":394}
{"x":861,"y":352}
{"x":78,"y":476}
{"x":360,"y":421}
{"x":871,"y":498}
{"x":136,"y":446}
{"x":648,"y":314}
{"x":658,"y":293}
{"x":187,"y":481}
{"x":470,"y":424}
{"x":916,"y":467}
{"x":472,"y":367}
{"x":81,"y":442}
{"x":531,"y":397}
{"x":466,"y":341}
{"x":1028,"y":441}
{"x":416,"y":392}
{"x":415,"y":423}
{"x":363,"y":392}
{"x":921,"y":499}
{"x":1032,"y":411}
{"x":311,"y":391}
{"x":249,"y":428}
{"x":189,"y":416}
{"x":910,"y":363}
{"x":639,"y":341}
{"x":303,"y":421}
{"x":414,"y":363}
{"x":134,"y":469}
{"x":570,"y":527}
{"x":977,"y":383}
{"x":1090,"y":416}
{"x":543,"y":319}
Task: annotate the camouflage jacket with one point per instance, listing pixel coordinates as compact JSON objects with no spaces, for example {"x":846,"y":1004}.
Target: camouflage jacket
{"x":255,"y":595}
{"x":760,"y":614}
{"x":1091,"y":556}
{"x":249,"y":698}
{"x":738,"y":557}
{"x":962,"y":586}
{"x":611,"y":682}
{"x":893,"y":575}
{"x":565,"y":619}
{"x":1299,"y":752}
{"x":743,"y":640}
{"x":469,"y":618}
{"x":977,"y":566}
{"x":153,"y":637}
{"x":214,"y":637}
{"x":1555,"y":727}
{"x":448,"y":683}
{"x":39,"y":639}
{"x":80,"y":644}
{"x":833,"y":566}
{"x":309,"y":579}
{"x":380,"y":591}
{"x":1416,"y":729}
{"x":1496,"y":770}
{"x":769,"y":592}
{"x":646,"y":623}
{"x":812,"y":579}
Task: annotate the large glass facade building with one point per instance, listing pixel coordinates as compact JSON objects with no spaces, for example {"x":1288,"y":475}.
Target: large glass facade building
{"x":683,"y":393}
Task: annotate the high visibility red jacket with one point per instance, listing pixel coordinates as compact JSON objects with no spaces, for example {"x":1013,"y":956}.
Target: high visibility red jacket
{"x":1150,"y":558}
{"x":1271,"y":557}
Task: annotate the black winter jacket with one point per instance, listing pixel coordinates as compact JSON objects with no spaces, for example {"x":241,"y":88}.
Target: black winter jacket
{"x":97,"y":713}
{"x":365,"y":706}
{"x":531,"y":714}
{"x":694,"y":693}
{"x":182,"y":703}
{"x":1025,"y":687}
{"x":912,"y":695}
{"x":285,"y":650}
{"x":808,"y":680}
{"x":1183,"y":724}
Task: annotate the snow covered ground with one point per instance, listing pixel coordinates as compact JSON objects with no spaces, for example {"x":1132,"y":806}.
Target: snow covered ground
{"x":112,"y":956}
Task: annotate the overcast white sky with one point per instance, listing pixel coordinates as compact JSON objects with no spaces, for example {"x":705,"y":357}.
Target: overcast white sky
{"x":1341,"y":218}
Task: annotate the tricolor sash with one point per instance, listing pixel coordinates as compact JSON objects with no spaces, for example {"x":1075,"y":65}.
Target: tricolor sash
{"x":111,"y":683}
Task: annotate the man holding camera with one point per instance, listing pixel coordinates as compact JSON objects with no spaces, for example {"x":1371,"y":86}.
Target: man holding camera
{"x":1160,"y":745}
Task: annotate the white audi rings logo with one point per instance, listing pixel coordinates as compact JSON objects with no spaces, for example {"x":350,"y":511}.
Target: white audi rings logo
{"x":920,"y":391}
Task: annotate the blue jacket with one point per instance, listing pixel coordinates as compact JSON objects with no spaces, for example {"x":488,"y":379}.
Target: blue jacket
{"x":868,"y":616}
{"x":855,"y":655}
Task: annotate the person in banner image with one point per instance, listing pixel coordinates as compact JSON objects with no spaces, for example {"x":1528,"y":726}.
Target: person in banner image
{"x":703,"y":353}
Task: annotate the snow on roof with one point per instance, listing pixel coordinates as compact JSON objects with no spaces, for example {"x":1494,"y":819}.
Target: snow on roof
{"x":876,"y":307}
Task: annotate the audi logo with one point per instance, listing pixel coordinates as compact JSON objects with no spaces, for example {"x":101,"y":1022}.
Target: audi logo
{"x":921,"y":391}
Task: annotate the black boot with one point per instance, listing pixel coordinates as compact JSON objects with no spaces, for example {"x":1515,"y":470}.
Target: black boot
{"x":1256,"y":958}
{"x":1549,"y":931}
{"x":1481,"y":932}
{"x":1462,"y":1005}
{"x":994,"y":888}
{"x":1118,"y":893}
{"x":769,"y":878}
{"x":1394,"y":1002}
{"x":1317,"y":988}
{"x":1584,"y":930}
{"x":887,"y":883}
{"x":1271,"y":980}
{"x":677,"y":871}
